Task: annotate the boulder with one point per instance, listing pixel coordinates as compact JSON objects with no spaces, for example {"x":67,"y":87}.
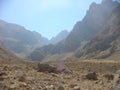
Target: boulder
{"x":61,"y":88}
{"x":47,"y":68}
{"x":22,"y":78}
{"x":91,"y":76}
{"x":3,"y":76}
{"x":3,"y":73}
{"x":108,"y":76}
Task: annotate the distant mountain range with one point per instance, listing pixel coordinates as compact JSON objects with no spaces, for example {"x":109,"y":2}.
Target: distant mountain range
{"x":95,"y":21}
{"x":62,"y":35}
{"x":19,"y":40}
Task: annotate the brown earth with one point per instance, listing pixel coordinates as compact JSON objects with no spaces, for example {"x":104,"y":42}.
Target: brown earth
{"x":25,"y":75}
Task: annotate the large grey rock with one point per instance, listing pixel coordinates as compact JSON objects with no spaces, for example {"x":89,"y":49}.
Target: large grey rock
{"x":47,"y":68}
{"x":91,"y":76}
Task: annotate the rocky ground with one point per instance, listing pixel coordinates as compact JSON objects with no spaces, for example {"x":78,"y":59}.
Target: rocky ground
{"x":64,"y":75}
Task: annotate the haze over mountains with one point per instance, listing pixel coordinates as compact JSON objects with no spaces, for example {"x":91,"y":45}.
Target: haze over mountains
{"x":62,"y":35}
{"x":98,"y":33}
{"x":19,"y":40}
{"x":95,"y":20}
{"x":96,"y":39}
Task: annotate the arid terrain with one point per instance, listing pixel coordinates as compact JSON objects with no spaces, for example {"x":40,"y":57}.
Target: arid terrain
{"x":77,"y":75}
{"x":86,"y":57}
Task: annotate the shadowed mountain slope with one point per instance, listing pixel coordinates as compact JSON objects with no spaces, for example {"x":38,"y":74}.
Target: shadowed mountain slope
{"x":107,"y":42}
{"x":17,"y":39}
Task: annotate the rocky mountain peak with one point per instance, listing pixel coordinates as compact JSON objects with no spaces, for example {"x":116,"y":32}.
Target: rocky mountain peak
{"x":61,"y":36}
{"x":93,"y":5}
{"x":107,"y":1}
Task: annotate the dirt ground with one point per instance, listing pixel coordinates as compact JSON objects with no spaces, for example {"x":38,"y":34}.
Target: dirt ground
{"x":25,"y":75}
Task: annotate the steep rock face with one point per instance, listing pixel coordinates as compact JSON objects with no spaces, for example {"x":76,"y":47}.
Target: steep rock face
{"x":92,"y":23}
{"x":95,"y":19}
{"x":17,"y":39}
{"x":106,"y":42}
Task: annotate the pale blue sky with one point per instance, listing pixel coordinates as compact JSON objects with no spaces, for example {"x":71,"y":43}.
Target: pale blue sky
{"x":48,"y":17}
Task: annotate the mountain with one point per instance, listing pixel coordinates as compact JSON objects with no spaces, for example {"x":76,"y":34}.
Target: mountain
{"x":107,"y":42}
{"x":83,"y":31}
{"x":7,"y":57}
{"x":62,"y":35}
{"x":95,"y":19}
{"x":17,"y":39}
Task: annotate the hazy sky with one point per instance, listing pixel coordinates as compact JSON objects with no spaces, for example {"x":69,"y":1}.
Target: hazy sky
{"x":48,"y":17}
